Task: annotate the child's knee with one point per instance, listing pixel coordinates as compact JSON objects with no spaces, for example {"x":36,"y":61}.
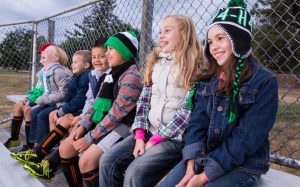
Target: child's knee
{"x":18,"y":107}
{"x":83,"y":162}
{"x":65,"y":122}
{"x":64,"y":148}
{"x":27,"y":111}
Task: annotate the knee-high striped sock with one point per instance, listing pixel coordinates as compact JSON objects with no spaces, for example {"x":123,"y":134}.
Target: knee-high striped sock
{"x":51,"y":140}
{"x":27,"y":130}
{"x":54,"y":160}
{"x":71,"y":171}
{"x":16,"y":123}
{"x":91,"y":178}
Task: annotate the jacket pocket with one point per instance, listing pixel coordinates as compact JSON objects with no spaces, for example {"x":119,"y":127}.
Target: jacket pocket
{"x":246,"y":95}
{"x":204,"y":90}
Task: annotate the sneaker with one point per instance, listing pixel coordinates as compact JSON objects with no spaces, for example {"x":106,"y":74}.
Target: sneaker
{"x":12,"y":143}
{"x":25,"y":157}
{"x":40,"y":170}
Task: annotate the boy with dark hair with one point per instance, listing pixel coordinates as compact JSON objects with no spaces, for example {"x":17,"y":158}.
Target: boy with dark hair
{"x":113,"y":111}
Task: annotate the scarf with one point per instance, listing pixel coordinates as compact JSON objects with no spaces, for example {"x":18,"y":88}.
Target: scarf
{"x":106,"y":97}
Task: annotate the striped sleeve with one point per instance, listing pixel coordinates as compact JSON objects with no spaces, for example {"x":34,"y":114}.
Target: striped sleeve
{"x":130,"y":87}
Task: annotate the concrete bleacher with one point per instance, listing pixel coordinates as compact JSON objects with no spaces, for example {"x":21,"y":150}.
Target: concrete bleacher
{"x":16,"y":168}
{"x":19,"y":177}
{"x":15,"y":98}
{"x":13,"y":174}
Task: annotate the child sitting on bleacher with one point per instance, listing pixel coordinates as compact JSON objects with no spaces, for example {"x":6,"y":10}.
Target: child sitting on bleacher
{"x":113,"y":111}
{"x":73,"y":101}
{"x":236,"y":101}
{"x":62,"y":124}
{"x":53,"y":79}
{"x":22,"y":110}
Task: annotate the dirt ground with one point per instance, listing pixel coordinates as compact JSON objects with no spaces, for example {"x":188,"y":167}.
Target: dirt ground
{"x":291,"y":95}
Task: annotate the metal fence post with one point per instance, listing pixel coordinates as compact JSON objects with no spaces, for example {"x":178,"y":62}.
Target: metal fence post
{"x":34,"y":63}
{"x":146,"y":30}
{"x":51,"y":31}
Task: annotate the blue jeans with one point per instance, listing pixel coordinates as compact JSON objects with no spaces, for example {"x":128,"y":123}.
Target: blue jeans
{"x":39,"y":128}
{"x":118,"y":166}
{"x":234,"y":178}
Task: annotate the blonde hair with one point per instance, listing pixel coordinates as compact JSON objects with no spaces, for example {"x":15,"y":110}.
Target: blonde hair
{"x":188,"y":54}
{"x":86,"y":56}
{"x":61,"y":54}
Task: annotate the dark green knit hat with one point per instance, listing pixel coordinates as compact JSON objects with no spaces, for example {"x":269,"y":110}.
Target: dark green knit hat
{"x":125,"y":43}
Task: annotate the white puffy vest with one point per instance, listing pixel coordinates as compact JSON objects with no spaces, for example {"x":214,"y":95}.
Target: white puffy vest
{"x":167,"y":95}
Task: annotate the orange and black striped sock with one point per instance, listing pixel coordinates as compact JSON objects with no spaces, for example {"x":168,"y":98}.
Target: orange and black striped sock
{"x":91,"y":178}
{"x":54,"y":137}
{"x":71,"y":171}
{"x":16,"y":123}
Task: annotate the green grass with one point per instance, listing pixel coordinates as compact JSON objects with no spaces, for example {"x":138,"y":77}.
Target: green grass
{"x":6,"y":72}
{"x":11,"y":83}
{"x":288,"y":112}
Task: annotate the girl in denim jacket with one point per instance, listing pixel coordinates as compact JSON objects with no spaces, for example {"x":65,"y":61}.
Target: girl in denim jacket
{"x":235,"y":108}
{"x":162,"y":110}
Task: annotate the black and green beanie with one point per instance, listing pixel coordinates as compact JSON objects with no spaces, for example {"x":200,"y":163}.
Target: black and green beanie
{"x":236,"y":22}
{"x":125,"y":43}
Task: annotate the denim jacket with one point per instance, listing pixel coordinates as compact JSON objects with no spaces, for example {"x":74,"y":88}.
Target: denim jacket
{"x":219,"y":147}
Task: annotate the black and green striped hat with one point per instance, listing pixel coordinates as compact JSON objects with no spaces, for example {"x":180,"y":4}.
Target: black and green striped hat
{"x":125,"y":43}
{"x":236,"y":22}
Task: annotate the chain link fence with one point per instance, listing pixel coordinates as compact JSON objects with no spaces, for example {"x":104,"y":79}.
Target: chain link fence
{"x":276,"y":41}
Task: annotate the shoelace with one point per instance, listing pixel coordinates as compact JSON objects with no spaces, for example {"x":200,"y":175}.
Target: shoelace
{"x":28,"y":154}
{"x":45,"y":167}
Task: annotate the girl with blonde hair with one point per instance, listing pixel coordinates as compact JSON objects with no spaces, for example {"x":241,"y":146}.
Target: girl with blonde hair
{"x":163,"y":110}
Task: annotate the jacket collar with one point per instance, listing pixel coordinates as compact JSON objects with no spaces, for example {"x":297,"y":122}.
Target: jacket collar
{"x":168,"y":56}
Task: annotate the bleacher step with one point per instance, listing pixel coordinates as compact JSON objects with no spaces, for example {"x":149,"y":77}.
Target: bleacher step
{"x":12,"y":172}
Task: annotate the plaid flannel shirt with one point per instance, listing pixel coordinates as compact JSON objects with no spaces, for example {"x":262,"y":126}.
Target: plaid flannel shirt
{"x":172,"y":130}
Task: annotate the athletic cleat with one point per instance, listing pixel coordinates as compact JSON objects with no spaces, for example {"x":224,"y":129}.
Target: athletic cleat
{"x":40,"y":170}
{"x":25,"y":157}
{"x":11,"y":143}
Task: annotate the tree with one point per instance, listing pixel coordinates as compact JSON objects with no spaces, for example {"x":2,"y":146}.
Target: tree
{"x":276,"y":34}
{"x":100,"y":23}
{"x":15,"y":49}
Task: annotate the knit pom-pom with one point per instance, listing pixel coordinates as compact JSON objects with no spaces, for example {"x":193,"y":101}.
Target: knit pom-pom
{"x":237,"y":3}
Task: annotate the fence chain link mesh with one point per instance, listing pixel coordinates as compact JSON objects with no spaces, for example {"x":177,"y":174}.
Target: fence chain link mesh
{"x":276,"y":42}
